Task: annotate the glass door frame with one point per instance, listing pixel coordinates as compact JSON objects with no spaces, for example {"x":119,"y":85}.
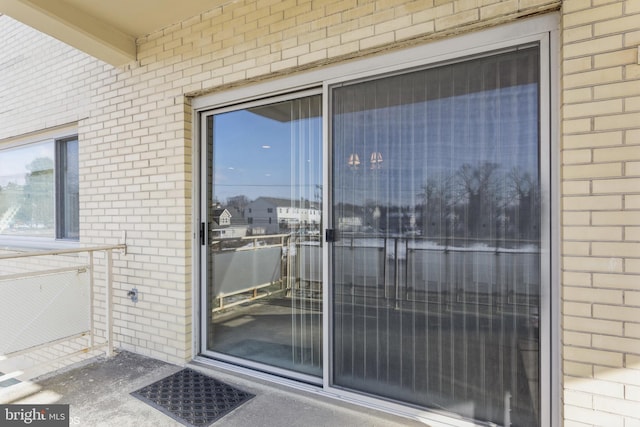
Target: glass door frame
{"x":203,"y":231}
{"x":543,"y":29}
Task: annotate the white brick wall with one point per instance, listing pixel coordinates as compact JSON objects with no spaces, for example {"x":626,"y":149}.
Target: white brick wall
{"x":137,"y":139}
{"x":44,"y":83}
{"x":600,"y":146}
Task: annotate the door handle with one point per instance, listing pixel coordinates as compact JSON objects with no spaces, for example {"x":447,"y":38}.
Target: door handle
{"x":330,"y":235}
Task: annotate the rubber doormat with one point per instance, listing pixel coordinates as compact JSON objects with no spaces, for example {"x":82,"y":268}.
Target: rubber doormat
{"x":191,"y":398}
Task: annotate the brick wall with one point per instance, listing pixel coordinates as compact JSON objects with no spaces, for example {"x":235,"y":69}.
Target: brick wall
{"x":137,"y":140}
{"x":44,"y":83}
{"x":601,"y":212}
{"x":252,"y":40}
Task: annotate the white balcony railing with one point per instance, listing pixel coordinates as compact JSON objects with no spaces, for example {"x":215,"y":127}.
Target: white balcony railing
{"x":55,"y":306}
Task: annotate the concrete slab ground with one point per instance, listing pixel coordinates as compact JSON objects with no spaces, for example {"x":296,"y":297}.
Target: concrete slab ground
{"x":99,"y":395}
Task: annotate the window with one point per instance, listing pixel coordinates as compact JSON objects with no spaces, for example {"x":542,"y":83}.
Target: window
{"x":39,"y":190}
{"x":269,"y":210}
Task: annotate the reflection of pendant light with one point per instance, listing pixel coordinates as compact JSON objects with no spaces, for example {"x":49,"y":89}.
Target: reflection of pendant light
{"x":376,"y":160}
{"x":354,"y":161}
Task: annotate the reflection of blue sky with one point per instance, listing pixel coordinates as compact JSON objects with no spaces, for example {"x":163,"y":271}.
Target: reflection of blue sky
{"x":258,"y":156}
{"x":14,"y":161}
{"x":432,"y":140}
{"x":427,"y":140}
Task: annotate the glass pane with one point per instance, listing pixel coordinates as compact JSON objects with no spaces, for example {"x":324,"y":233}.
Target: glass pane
{"x":264,"y":224}
{"x":436,"y":268}
{"x":27,"y":190}
{"x":69,"y":202}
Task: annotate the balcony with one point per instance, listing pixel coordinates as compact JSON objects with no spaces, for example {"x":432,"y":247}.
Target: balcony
{"x":57,"y":348}
{"x":58,"y":306}
{"x":98,"y":394}
{"x":55,"y":310}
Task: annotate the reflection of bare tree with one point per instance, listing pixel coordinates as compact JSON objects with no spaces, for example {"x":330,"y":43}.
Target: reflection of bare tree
{"x":436,"y":208}
{"x":524,"y":209}
{"x":478,"y":199}
{"x":238,"y":202}
{"x":481,"y":204}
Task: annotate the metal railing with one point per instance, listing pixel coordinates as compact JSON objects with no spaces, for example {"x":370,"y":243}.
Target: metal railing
{"x":39,"y":289}
{"x":419,"y":270}
{"x":409,"y":269}
{"x":253,"y":267}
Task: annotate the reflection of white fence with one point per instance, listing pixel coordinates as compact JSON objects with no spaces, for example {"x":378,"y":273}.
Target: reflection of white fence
{"x":414,"y":270}
{"x":253,"y":267}
{"x":47,"y":298}
{"x":393,"y":268}
{"x":246,"y":265}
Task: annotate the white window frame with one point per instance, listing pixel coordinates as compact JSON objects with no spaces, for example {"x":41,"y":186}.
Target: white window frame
{"x":542,"y":29}
{"x":53,"y":136}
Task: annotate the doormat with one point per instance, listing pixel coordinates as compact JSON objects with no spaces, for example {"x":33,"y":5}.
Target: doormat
{"x":191,"y":398}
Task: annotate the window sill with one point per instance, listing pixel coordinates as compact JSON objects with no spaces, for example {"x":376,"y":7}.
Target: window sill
{"x":11,"y":243}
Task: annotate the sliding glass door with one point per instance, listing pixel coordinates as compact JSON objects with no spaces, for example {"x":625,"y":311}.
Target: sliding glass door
{"x":426,"y":279}
{"x":436,"y":260}
{"x":263,"y":209}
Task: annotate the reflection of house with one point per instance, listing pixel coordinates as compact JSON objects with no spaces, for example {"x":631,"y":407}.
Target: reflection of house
{"x":270,"y":215}
{"x":222,"y":216}
{"x":227,"y":225}
{"x":350,"y":223}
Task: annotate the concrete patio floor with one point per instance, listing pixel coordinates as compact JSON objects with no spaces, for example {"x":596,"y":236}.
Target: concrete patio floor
{"x":98,"y":395}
